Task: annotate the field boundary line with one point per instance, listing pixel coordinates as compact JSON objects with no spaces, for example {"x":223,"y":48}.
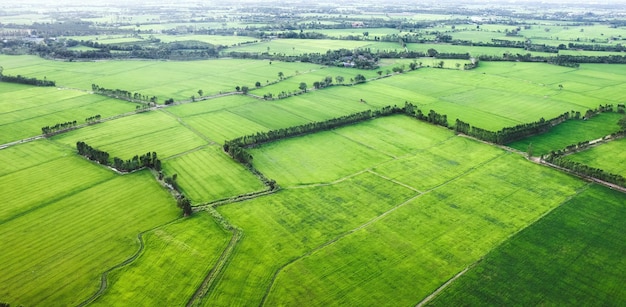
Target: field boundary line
{"x":209,"y":281}
{"x":472,"y":265}
{"x":368,"y":223}
{"x":103,"y":277}
{"x":395,"y":181}
{"x":192,"y":129}
{"x":330,"y":242}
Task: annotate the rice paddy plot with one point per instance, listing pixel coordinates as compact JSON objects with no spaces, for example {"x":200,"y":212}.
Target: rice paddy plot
{"x":319,"y":108}
{"x":403,"y":257}
{"x":269,"y":115}
{"x":517,"y":107}
{"x":211,"y":105}
{"x":315,"y":158}
{"x":211,"y":39}
{"x":609,"y":157}
{"x":27,"y":155}
{"x":163,"y":79}
{"x":56,"y":253}
{"x":175,"y":259}
{"x":282,"y":227}
{"x":569,"y":133}
{"x":136,"y":135}
{"x":24,"y":110}
{"x":223,"y":125}
{"x":35,"y":187}
{"x":573,"y":256}
{"x":299,"y":46}
{"x":438,"y":164}
{"x":396,"y":135}
{"x":210,"y":174}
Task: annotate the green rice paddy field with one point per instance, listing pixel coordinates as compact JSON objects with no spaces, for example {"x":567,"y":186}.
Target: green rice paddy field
{"x":607,"y":156}
{"x":386,"y":210}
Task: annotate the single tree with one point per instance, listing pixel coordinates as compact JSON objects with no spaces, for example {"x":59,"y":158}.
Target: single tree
{"x":281,"y":75}
{"x":244,"y":89}
{"x":238,"y":88}
{"x":302,"y":86}
{"x":257,"y":84}
{"x":339,"y":79}
{"x":200,"y":93}
{"x":184,"y":203}
{"x":530,"y":150}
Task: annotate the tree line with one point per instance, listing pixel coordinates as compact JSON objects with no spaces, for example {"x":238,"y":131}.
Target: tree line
{"x":558,"y":158}
{"x":58,"y":127}
{"x":122,"y":94}
{"x":25,"y":80}
{"x":147,"y":160}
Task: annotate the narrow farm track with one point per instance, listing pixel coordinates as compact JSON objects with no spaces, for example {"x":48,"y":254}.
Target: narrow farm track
{"x":218,"y":269}
{"x":372,"y":221}
{"x":209,"y":281}
{"x":455,"y":277}
{"x":103,"y":277}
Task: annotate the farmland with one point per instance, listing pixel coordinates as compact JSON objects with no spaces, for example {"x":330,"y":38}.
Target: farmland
{"x":571,"y":132}
{"x":604,"y":157}
{"x":588,"y":257}
{"x":44,"y":236}
{"x":337,"y":154}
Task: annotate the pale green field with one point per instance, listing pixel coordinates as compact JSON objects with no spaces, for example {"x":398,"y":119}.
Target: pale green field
{"x":25,"y":109}
{"x":301,"y":46}
{"x":57,"y":222}
{"x":284,"y":226}
{"x":164,"y":79}
{"x":210,"y":174}
{"x":406,"y":255}
{"x":347,"y":263}
{"x":178,"y":255}
{"x":136,"y":135}
{"x":211,"y":39}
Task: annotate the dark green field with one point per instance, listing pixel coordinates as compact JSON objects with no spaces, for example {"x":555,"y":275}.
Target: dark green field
{"x":572,"y":257}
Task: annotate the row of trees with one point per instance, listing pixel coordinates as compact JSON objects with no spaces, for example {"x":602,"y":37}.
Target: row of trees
{"x":58,"y":127}
{"x":236,"y":147}
{"x":25,"y":80}
{"x":558,"y":159}
{"x":518,"y":132}
{"x":147,"y":160}
{"x":93,"y":119}
{"x":122,"y":94}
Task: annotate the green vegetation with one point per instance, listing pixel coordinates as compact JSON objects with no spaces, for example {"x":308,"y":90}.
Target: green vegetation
{"x":356,"y":178}
{"x":181,"y":251}
{"x":65,"y":237}
{"x":24,"y":109}
{"x":604,"y":157}
{"x":571,"y":132}
{"x":556,"y":261}
{"x":208,"y":174}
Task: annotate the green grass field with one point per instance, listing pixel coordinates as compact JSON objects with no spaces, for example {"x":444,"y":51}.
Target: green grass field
{"x":25,"y":109}
{"x":210,"y":174}
{"x":607,"y":157}
{"x":62,"y":227}
{"x":456,"y":195}
{"x":135,"y":135}
{"x":403,"y":257}
{"x":178,"y":255}
{"x":284,"y":226}
{"x":164,"y":79}
{"x":573,"y":256}
{"x":570,"y":132}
